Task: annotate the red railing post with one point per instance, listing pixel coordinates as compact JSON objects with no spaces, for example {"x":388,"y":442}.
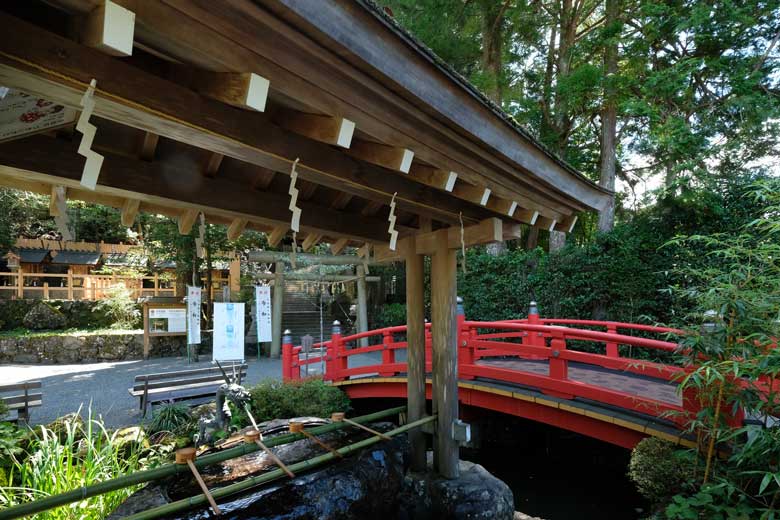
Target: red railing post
{"x":332,"y":352}
{"x":287,"y":356}
{"x":465,"y":350}
{"x":339,"y":359}
{"x":559,"y":368}
{"x":428,"y":347}
{"x":612,"y":348}
{"x":388,"y":355}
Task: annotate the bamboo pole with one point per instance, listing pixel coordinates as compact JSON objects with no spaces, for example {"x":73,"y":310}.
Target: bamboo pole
{"x":340,"y":416}
{"x":251,"y":482}
{"x":77,"y":495}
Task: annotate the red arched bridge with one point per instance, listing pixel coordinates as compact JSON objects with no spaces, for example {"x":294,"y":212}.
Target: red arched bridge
{"x":536,"y":368}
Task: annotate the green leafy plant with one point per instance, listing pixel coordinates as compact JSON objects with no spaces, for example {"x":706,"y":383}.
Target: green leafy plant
{"x":390,"y":315}
{"x":658,"y":470}
{"x":87,"y":453}
{"x":273,"y":399}
{"x":119,"y":307}
{"x":173,"y":418}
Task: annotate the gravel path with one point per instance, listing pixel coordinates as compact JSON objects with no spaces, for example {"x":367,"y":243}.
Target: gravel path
{"x":68,"y":387}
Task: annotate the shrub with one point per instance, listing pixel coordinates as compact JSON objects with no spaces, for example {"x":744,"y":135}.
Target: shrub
{"x":87,"y":454}
{"x":273,"y":399}
{"x":174,"y":418}
{"x":656,"y":469}
{"x":119,"y":307}
{"x":390,"y":315}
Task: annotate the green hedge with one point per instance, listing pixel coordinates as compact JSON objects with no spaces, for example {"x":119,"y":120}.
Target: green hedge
{"x":274,"y":399}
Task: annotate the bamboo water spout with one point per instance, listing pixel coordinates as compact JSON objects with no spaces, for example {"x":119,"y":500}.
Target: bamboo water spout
{"x":298,"y":427}
{"x":186,"y":456}
{"x":341,"y":417}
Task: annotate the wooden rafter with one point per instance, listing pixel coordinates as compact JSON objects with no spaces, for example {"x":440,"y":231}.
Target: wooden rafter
{"x":187,"y":220}
{"x":326,"y":129}
{"x":129,"y":211}
{"x":338,"y":246}
{"x":202,"y":123}
{"x":311,"y":240}
{"x":212,"y":163}
{"x":240,"y":89}
{"x":148,"y":146}
{"x":391,"y":157}
{"x":276,"y":235}
{"x":110,"y":28}
{"x":430,"y":176}
{"x":236,"y":228}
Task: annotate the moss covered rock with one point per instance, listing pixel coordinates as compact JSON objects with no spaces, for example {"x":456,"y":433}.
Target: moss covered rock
{"x":44,"y":317}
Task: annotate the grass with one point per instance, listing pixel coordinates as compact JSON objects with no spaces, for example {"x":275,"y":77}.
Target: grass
{"x":27,"y":333}
{"x":79,"y":454}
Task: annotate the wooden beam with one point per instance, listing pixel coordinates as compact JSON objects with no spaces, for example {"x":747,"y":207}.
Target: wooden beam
{"x":567,"y":225}
{"x":130,"y":211}
{"x":306,"y":190}
{"x":212,"y":163}
{"x":144,"y":103}
{"x":187,"y":220}
{"x":338,"y":246}
{"x":148,"y":146}
{"x":311,"y":240}
{"x":54,"y":161}
{"x":512,"y":231}
{"x":486,"y":232}
{"x":474,"y":194}
{"x":236,"y":228}
{"x":240,"y":89}
{"x":110,"y":28}
{"x":391,"y":157}
{"x":326,"y":129}
{"x":430,"y":176}
{"x":276,"y":235}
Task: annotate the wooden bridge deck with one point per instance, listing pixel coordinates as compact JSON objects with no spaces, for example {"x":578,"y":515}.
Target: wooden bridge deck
{"x":642,"y":386}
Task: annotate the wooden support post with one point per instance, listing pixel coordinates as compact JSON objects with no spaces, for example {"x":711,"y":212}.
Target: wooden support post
{"x":240,"y":89}
{"x":156,"y":284}
{"x":362,"y":316}
{"x":45,"y":290}
{"x":415,"y":354}
{"x":70,"y":283}
{"x":19,"y":284}
{"x":276,"y":311}
{"x":445,"y":355}
{"x":234,"y":278}
{"x":110,"y":28}
{"x":310,"y":241}
{"x":146,"y":333}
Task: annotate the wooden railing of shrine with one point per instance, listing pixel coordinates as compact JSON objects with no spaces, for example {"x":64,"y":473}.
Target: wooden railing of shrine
{"x":71,"y":286}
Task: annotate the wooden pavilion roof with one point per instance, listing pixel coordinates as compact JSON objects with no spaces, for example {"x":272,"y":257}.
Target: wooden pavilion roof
{"x":208,"y":105}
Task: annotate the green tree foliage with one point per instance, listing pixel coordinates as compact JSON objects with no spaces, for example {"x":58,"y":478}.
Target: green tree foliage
{"x":274,"y":399}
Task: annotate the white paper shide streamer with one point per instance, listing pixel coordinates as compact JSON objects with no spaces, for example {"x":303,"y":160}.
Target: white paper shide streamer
{"x":295,"y":223}
{"x":201,"y":238}
{"x":391,"y":228}
{"x":94,"y":162}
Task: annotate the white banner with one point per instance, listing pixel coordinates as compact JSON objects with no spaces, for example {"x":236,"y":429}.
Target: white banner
{"x":228,"y":332}
{"x":263,"y":313}
{"x":193,"y":315}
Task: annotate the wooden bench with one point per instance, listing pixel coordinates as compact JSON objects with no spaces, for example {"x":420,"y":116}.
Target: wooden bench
{"x":181,"y":385}
{"x":26,"y":395}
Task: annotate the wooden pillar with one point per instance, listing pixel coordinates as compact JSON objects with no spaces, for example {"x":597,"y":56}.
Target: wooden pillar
{"x":20,"y":284}
{"x":415,"y":354}
{"x":362,"y":310}
{"x":146,"y":331}
{"x":276,"y":311}
{"x":70,"y":283}
{"x":445,"y":355}
{"x":234,"y":278}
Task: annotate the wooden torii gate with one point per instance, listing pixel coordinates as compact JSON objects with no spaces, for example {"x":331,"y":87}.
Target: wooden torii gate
{"x":189,"y":108}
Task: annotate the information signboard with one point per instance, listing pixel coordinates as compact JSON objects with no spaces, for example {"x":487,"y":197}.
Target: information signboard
{"x":168,"y":320}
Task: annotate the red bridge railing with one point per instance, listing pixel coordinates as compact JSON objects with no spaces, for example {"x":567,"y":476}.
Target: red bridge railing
{"x":554,"y":341}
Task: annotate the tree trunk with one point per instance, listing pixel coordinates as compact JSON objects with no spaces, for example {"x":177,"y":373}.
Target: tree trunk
{"x":609,"y":118}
